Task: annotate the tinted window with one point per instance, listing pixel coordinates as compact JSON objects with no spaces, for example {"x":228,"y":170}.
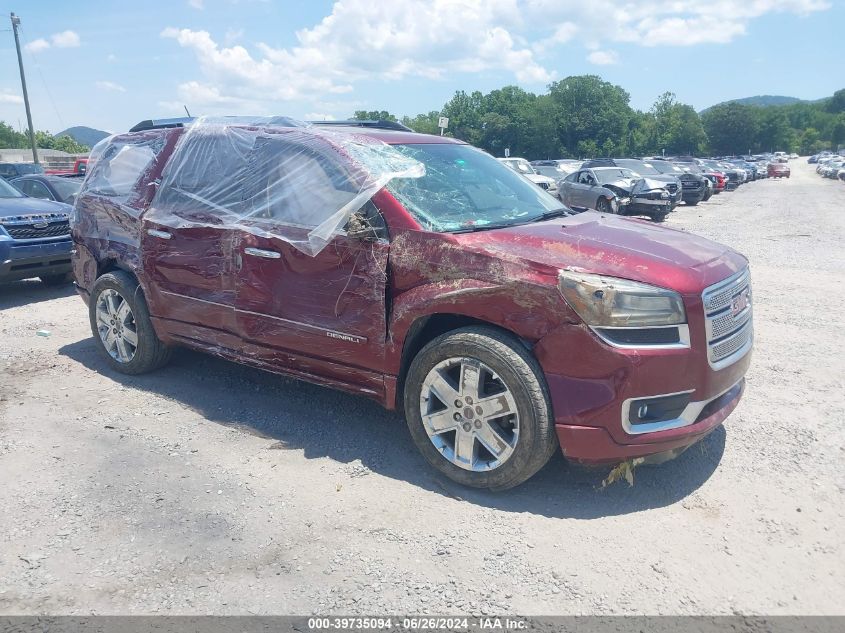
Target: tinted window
{"x":643,"y":168}
{"x":67,"y":188}
{"x":38,"y":190}
{"x":8,"y":191}
{"x":609,"y":175}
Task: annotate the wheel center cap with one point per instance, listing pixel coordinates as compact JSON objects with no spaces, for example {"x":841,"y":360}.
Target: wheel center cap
{"x":468,"y":413}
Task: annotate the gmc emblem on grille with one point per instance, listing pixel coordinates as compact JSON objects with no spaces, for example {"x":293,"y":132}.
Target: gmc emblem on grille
{"x":739,"y":303}
{"x":40,"y":225}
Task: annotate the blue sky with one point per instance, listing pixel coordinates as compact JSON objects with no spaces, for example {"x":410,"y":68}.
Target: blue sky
{"x":110,"y":64}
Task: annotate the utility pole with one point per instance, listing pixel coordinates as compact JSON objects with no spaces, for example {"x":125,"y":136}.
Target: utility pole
{"x":16,"y":21}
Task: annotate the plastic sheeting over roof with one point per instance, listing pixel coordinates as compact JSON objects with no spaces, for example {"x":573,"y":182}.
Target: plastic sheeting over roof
{"x":299,"y":183}
{"x":274,"y":177}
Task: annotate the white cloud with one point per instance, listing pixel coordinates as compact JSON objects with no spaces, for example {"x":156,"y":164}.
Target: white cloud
{"x":110,"y":86}
{"x":196,"y":4}
{"x":664,"y":22}
{"x":232,"y":36}
{"x":8,"y":97}
{"x":603,"y":58}
{"x":362,"y":40}
{"x":36,"y":46}
{"x":65,"y":39}
{"x":111,"y":57}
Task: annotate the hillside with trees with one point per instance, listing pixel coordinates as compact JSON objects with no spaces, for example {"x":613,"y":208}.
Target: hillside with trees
{"x":12,"y":139}
{"x":585,"y":116}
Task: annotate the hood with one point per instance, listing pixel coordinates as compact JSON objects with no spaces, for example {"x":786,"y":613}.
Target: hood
{"x":615,"y":246}
{"x":644,"y":185}
{"x":10,"y":207}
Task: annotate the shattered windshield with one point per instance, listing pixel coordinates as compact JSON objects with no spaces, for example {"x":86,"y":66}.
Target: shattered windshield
{"x":464,"y":187}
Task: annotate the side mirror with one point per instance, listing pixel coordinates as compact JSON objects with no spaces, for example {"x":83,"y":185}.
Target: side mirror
{"x":359,"y":228}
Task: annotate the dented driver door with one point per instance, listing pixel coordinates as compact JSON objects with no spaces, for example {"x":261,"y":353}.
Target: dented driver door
{"x":323,"y":316}
{"x":315,"y":312}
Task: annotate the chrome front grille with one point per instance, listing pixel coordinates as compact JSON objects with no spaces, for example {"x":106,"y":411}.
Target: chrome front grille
{"x":728,"y":319}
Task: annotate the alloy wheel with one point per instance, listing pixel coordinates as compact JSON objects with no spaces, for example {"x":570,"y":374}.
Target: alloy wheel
{"x":116,"y":326}
{"x":469,"y":414}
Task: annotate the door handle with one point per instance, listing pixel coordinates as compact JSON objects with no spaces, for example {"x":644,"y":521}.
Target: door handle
{"x":260,"y":252}
{"x":162,"y":234}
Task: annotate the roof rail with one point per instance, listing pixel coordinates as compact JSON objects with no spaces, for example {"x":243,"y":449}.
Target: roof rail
{"x":160,"y":124}
{"x":379,"y":125}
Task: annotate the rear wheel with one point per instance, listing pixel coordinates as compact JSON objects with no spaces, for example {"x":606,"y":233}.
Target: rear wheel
{"x":478,"y":409}
{"x":693,"y":203}
{"x":120,"y":322}
{"x":603,"y":206}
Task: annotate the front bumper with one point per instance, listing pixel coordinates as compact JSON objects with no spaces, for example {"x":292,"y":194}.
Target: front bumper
{"x":596,"y":390}
{"x":22,"y":259}
{"x":644,"y":206}
{"x":594,"y":445}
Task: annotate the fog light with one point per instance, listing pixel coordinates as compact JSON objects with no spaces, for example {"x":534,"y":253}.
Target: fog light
{"x":657,"y":409}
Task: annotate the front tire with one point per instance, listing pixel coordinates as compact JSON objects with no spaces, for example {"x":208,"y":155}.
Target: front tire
{"x":658,"y":217}
{"x":603,"y":206}
{"x":120,"y":322}
{"x":477,"y":408}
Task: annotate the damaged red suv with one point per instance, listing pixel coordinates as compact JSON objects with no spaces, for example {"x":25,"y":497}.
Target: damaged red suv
{"x":418,"y":271}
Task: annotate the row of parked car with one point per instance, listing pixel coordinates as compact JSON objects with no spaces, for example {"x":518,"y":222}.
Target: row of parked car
{"x":829,"y":165}
{"x":650,"y":186}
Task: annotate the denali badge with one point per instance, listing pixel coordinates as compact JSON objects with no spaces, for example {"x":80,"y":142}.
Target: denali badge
{"x":344,"y":337}
{"x":739,"y":303}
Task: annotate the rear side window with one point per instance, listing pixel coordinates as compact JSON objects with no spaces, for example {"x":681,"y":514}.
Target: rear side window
{"x":116,"y":166}
{"x":293,"y":182}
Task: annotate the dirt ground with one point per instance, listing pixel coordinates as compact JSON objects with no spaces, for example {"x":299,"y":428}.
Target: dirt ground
{"x":212,"y":488}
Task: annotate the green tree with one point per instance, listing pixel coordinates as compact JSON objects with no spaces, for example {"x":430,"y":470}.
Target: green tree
{"x":774,"y":133}
{"x":373,"y":115}
{"x":10,"y":139}
{"x":837,"y":135}
{"x":837,"y":102}
{"x":731,"y":128}
{"x":589,"y":112}
{"x":808,"y":141}
{"x":423,"y":123}
{"x":465,"y":112}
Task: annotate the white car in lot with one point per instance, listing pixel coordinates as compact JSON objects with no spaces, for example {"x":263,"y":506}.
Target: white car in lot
{"x":523,"y":167}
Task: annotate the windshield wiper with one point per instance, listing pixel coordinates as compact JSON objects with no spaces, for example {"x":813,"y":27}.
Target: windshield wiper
{"x":484,"y":227}
{"x":554,"y":213}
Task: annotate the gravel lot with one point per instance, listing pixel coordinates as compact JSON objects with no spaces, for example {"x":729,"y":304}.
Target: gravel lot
{"x":213,"y":488}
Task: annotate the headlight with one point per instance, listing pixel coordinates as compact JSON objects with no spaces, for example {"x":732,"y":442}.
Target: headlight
{"x":611,"y":302}
{"x":664,"y":195}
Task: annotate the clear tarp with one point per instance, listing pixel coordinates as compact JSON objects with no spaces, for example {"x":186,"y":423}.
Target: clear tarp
{"x":274,"y":177}
{"x":296,"y":182}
